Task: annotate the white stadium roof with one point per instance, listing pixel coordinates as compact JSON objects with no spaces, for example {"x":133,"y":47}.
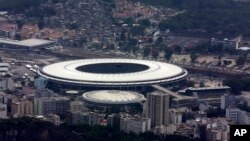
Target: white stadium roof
{"x":113,"y":97}
{"x":244,"y":48}
{"x":28,"y":42}
{"x":156,"y":72}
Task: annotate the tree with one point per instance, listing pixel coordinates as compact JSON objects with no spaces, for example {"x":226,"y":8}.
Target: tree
{"x":132,"y":42}
{"x":235,"y":85}
{"x":18,"y":6}
{"x":129,"y":21}
{"x":202,"y":84}
{"x":244,"y":107}
{"x":215,"y":112}
{"x":168,"y":53}
{"x":146,"y":52}
{"x":190,"y":83}
{"x":145,"y":22}
{"x":177,"y":49}
{"x":159,"y":41}
{"x":163,"y":25}
{"x":19,"y":24}
{"x":30,"y":129}
{"x":241,"y":60}
{"x":137,"y":30}
{"x":122,"y":36}
{"x":155,"y":53}
{"x":18,"y":37}
{"x":227,"y":62}
{"x":193,"y":57}
{"x":216,"y":48}
{"x":73,"y":25}
{"x":110,"y":46}
{"x":41,"y":24}
{"x":187,"y":116}
{"x":219,"y":63}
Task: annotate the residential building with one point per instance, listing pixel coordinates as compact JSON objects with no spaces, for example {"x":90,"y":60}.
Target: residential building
{"x":53,"y":118}
{"x":238,"y":116}
{"x":227,"y":42}
{"x":8,"y":30}
{"x":40,"y":83}
{"x":22,"y":107}
{"x":40,"y":93}
{"x":157,"y":108}
{"x":51,"y":105}
{"x":113,"y":120}
{"x":135,"y":124}
{"x":3,"y":111}
{"x":89,"y":118}
{"x":175,"y":117}
{"x":6,"y":83}
{"x":76,"y":106}
{"x":225,"y":101}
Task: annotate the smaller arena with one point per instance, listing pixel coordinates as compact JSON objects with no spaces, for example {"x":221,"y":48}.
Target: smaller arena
{"x":113,"y":100}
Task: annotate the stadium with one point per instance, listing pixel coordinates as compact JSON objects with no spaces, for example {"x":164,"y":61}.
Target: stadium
{"x":111,"y":74}
{"x":113,"y":100}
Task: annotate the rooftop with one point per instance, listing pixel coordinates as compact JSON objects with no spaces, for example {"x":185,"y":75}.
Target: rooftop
{"x":28,"y":42}
{"x":122,"y":71}
{"x":113,"y":97}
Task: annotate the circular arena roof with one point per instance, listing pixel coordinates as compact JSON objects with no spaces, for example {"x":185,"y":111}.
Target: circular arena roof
{"x":112,"y":72}
{"x":113,"y":97}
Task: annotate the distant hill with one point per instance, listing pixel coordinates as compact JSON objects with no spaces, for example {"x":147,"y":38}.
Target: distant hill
{"x":211,"y":16}
{"x":19,"y":5}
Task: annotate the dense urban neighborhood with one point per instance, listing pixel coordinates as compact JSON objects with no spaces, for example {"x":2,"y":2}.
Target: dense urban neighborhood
{"x":123,"y":70}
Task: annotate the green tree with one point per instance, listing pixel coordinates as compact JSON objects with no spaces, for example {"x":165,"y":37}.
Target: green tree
{"x":168,"y":52}
{"x":137,"y":30}
{"x":73,"y":25}
{"x":177,"y":49}
{"x":155,"y":53}
{"x":129,"y":21}
{"x":215,"y":112}
{"x":122,"y":36}
{"x":235,"y":85}
{"x":159,"y":41}
{"x":145,"y":22}
{"x":18,"y":37}
{"x":41,"y":24}
{"x":193,"y":57}
{"x":241,"y":60}
{"x":146,"y":52}
{"x":20,"y":24}
{"x":132,"y":42}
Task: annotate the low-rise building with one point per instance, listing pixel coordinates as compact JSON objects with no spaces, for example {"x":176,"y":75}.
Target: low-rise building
{"x":238,"y":116}
{"x":6,"y":83}
{"x":8,"y":30}
{"x":51,"y":105}
{"x":227,"y":42}
{"x":76,"y":106}
{"x":175,"y":117}
{"x":53,"y":118}
{"x":113,"y":120}
{"x":225,"y":101}
{"x":89,"y":118}
{"x":25,"y":45}
{"x":3,"y":111}
{"x":135,"y":124}
{"x":22,"y":107}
